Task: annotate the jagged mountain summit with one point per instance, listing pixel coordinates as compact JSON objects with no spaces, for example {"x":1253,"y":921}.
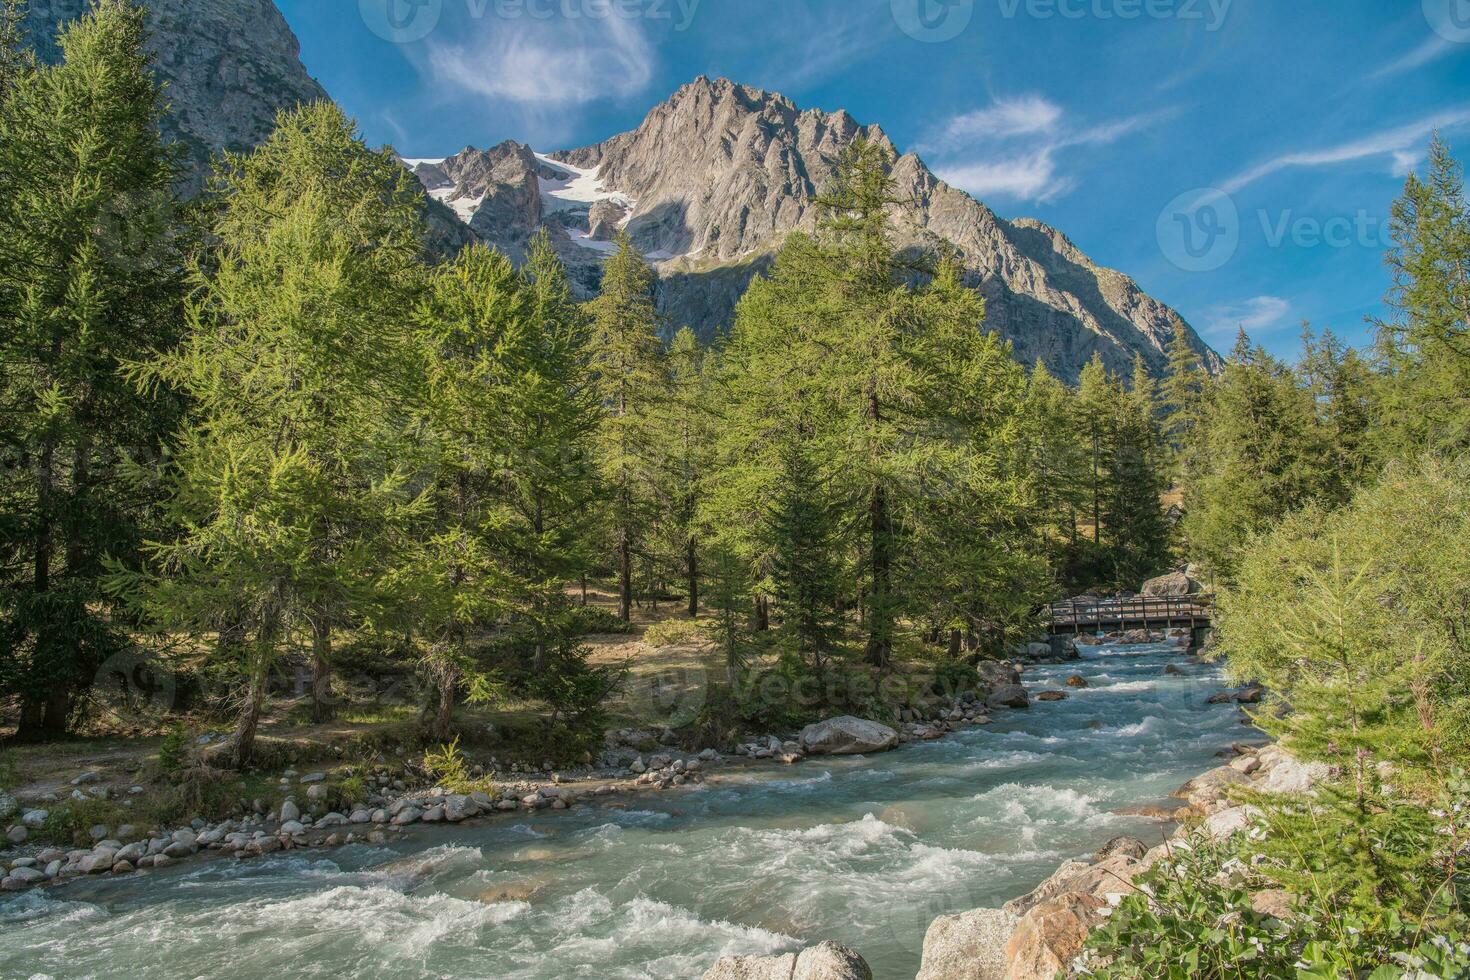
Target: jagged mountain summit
{"x":716,"y":177}
{"x":230,"y":66}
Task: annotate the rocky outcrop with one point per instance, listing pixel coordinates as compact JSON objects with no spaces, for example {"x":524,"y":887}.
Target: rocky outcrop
{"x":847,"y":736}
{"x":230,"y":65}
{"x":827,"y":961}
{"x":1038,"y":935}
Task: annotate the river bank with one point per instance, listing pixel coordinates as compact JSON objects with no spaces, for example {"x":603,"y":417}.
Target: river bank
{"x":866,"y":850}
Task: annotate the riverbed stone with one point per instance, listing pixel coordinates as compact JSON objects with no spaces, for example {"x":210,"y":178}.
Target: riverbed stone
{"x":1008,"y":696}
{"x":826,"y":961}
{"x":1210,"y":787}
{"x":967,"y":946}
{"x":1128,"y":846}
{"x":847,"y":736}
{"x":290,"y":811}
{"x":18,"y":834}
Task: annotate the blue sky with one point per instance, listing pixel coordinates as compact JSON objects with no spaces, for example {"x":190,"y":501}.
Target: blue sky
{"x":1237,"y":157}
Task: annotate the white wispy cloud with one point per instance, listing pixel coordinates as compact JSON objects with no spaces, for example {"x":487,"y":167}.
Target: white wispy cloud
{"x":1011,"y":147}
{"x":1259,"y":314}
{"x":550,"y":63}
{"x":1431,"y":50}
{"x":1399,"y":144}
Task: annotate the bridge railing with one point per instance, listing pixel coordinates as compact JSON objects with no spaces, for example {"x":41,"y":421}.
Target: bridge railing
{"x":1149,"y":610}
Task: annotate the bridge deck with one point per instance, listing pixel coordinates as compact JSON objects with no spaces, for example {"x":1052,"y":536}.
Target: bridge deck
{"x":1140,"y":612}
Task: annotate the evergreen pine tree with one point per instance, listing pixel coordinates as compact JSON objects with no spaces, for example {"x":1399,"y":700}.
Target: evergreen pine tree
{"x":629,"y":375}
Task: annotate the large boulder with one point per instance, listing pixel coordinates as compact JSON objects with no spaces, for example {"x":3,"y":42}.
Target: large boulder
{"x":1051,"y":935}
{"x":1173,"y":584}
{"x":1009,"y":696}
{"x":997,"y":673}
{"x":847,"y":736}
{"x":827,"y":961}
{"x":968,"y":946}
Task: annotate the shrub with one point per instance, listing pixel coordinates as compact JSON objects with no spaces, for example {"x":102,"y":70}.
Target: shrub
{"x":451,"y":770}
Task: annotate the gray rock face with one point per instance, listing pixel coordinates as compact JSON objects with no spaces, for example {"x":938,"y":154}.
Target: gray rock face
{"x":230,"y":66}
{"x":968,"y":946}
{"x":847,"y":736}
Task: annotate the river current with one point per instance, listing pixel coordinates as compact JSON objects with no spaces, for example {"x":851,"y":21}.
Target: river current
{"x":865,"y":851}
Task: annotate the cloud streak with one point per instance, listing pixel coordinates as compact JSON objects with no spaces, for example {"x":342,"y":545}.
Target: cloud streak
{"x":1011,"y":148}
{"x":1431,"y":50}
{"x":1397,"y":144}
{"x":547,"y":64}
{"x":1259,"y":314}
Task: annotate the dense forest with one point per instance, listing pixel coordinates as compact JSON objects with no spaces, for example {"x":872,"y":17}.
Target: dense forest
{"x":271,"y":423}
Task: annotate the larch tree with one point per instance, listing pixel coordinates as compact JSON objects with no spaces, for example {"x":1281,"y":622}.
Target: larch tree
{"x":92,"y":250}
{"x":299,"y":367}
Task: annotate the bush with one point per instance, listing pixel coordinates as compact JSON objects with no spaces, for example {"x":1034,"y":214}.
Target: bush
{"x":1376,"y":891}
{"x":449,"y":769}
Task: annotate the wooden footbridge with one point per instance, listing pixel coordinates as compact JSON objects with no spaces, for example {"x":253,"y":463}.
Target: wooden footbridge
{"x":1093,"y":615}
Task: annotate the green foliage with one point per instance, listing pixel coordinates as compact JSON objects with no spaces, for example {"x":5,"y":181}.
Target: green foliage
{"x":1390,"y":903}
{"x":289,"y":477}
{"x":175,"y":752}
{"x":451,"y":770}
{"x":92,"y":248}
{"x":1356,"y":619}
{"x":9,"y":771}
{"x":1425,"y":345}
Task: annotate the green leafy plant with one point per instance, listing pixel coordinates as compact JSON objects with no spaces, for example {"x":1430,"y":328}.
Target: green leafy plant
{"x":451,"y":770}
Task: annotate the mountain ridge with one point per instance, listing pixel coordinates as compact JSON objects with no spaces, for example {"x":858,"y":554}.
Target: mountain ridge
{"x":715,"y":177}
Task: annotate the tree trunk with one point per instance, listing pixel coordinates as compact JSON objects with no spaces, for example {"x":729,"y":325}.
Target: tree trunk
{"x":59,"y":705}
{"x":323,"y":708}
{"x":32,"y":722}
{"x":625,"y":577}
{"x":762,"y":614}
{"x":692,"y":570}
{"x":249,"y":719}
{"x":584,"y":592}
{"x":444,"y":709}
{"x":956,"y":638}
{"x":880,"y":621}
